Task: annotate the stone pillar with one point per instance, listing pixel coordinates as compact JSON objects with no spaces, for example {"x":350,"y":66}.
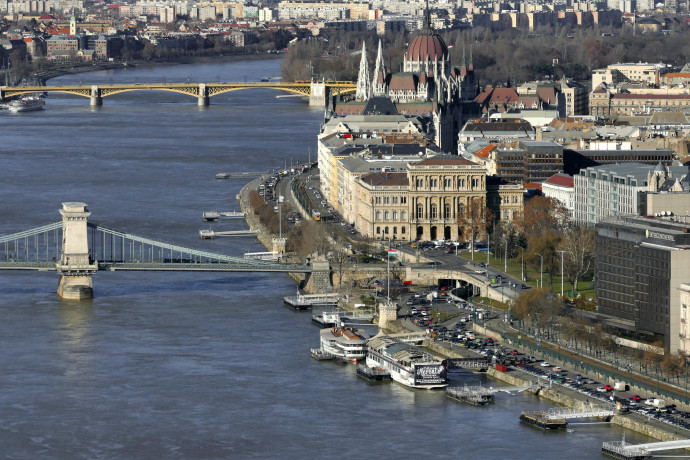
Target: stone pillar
{"x":319,"y":280}
{"x":96,"y":99}
{"x":75,"y":267}
{"x":204,"y":100}
{"x":279,"y":245}
{"x":319,"y":94}
{"x":388,"y":312}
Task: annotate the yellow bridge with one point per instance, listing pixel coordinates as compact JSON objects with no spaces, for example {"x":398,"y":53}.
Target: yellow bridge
{"x":316,"y":91}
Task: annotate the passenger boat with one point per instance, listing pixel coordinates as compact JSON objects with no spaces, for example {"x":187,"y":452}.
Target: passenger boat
{"x":407,"y":364}
{"x":26,"y":104}
{"x":345,"y":343}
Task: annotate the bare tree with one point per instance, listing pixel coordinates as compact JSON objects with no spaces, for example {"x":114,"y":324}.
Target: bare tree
{"x":475,"y":220}
{"x":578,"y":244}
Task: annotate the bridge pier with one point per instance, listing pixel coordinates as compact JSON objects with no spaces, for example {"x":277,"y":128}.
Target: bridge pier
{"x":96,"y":99}
{"x":204,"y":99}
{"x":75,"y":267}
{"x":319,"y":280}
{"x":319,"y":94}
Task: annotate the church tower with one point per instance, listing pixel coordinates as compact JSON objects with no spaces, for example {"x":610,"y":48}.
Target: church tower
{"x":378,"y":84}
{"x":363,"y":81}
{"x":73,"y":24}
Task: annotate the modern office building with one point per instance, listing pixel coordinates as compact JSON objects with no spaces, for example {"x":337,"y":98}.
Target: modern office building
{"x":641,"y":264}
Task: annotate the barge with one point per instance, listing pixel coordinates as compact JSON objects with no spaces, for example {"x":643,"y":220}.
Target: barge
{"x":475,"y":395}
{"x":542,"y":420}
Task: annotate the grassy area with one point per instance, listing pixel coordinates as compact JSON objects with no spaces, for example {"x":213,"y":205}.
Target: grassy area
{"x":532,"y":275}
{"x":495,"y":304}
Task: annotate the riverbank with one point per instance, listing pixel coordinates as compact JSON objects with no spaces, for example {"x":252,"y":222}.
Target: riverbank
{"x":46,"y":75}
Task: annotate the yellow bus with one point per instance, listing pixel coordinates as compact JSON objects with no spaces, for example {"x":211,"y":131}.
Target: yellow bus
{"x":316,"y":215}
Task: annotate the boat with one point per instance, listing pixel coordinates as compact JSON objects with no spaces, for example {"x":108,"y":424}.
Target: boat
{"x":26,"y":104}
{"x":330,"y":318}
{"x":373,"y":374}
{"x":327,"y":318}
{"x":346,"y":343}
{"x":407,"y":364}
{"x":475,"y":395}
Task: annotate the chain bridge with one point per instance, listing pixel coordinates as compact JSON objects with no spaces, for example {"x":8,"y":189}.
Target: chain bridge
{"x":77,"y":249}
{"x":316,"y":91}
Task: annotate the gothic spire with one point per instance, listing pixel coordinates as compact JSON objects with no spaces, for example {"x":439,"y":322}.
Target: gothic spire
{"x":380,"y":68}
{"x":363,"y":81}
{"x":427,"y":17}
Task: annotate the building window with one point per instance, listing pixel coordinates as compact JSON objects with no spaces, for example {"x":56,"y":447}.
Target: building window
{"x":395,"y":230}
{"x":403,"y":215}
{"x":395,"y":215}
{"x":378,"y":230}
{"x":386,"y":215}
{"x":446,"y":211}
{"x":378,"y":200}
{"x":420,"y":211}
{"x":434,"y":212}
{"x":378,"y":215}
{"x":386,"y":230}
{"x":403,"y":200}
{"x":402,"y":230}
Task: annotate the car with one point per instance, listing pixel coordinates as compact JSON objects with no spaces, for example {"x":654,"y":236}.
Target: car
{"x":544,"y":364}
{"x":557,"y":370}
{"x":649,"y":401}
{"x":524,"y":286}
{"x":608,"y":387}
{"x":479,"y":272}
{"x":636,"y":398}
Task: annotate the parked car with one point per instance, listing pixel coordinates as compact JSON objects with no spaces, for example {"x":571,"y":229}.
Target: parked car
{"x":544,"y":364}
{"x":636,"y":398}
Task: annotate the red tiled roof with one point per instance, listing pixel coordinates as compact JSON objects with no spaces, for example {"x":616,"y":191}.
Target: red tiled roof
{"x":563,"y":180}
{"x":484,"y":152}
{"x":533,"y":185}
{"x":403,"y":82}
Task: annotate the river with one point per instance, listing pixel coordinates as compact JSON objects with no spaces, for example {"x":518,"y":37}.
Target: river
{"x":198,"y":365}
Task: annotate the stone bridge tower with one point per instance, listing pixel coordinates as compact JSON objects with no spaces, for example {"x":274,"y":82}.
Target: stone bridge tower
{"x":75,"y":266}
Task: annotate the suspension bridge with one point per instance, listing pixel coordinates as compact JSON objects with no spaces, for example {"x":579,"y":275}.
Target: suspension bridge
{"x":77,"y":249}
{"x":317,"y":91}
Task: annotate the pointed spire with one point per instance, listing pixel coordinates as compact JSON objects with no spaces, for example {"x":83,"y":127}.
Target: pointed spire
{"x":363,"y":81}
{"x":379,"y":71}
{"x":471,"y":67}
{"x":463,"y":55}
{"x":427,"y":17}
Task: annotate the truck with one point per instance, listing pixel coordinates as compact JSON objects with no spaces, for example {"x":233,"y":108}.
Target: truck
{"x":658,"y":403}
{"x":620,"y":386}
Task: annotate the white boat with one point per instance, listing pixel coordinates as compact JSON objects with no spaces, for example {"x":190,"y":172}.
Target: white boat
{"x":345,"y":343}
{"x":407,"y":364}
{"x":26,"y":104}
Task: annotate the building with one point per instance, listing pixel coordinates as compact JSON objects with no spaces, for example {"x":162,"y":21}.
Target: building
{"x":560,"y":187}
{"x":62,"y":47}
{"x":496,"y":131}
{"x":613,"y":190}
{"x":635,"y":72}
{"x":605,"y":103}
{"x":684,"y":291}
{"x":575,"y":99}
{"x":641,"y":264}
{"x":522,"y":161}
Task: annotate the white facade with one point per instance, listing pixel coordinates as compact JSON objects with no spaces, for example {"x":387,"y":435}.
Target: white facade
{"x":607,"y":191}
{"x":562,"y":193}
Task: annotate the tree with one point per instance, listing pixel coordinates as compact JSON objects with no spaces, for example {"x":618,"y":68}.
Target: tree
{"x":578,"y":244}
{"x":542,"y":215}
{"x":540,"y":307}
{"x":475,"y":220}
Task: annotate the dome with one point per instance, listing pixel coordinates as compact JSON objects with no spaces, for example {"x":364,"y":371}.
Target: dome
{"x":427,"y":46}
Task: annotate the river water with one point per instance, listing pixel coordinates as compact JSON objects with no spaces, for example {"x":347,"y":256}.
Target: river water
{"x":198,"y":365}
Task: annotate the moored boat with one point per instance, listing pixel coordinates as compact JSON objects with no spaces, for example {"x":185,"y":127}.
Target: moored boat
{"x":345,"y":343}
{"x":407,"y":364}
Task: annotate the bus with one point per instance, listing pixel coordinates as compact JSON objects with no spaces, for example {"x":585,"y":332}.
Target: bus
{"x":316,"y":215}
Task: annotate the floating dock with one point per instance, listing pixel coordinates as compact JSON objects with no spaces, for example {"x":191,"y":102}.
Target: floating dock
{"x":475,"y":395}
{"x":373,"y":374}
{"x":305,"y":301}
{"x":541,"y":420}
{"x":211,"y":235}
{"x":215,"y":216}
{"x":320,"y":355}
{"x":330,"y":318}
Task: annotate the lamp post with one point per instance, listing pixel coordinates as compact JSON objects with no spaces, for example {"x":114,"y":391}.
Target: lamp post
{"x":562,"y":252}
{"x":541,"y":271}
{"x":505,"y":256}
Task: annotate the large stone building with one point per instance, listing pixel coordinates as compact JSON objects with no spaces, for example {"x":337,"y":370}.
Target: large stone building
{"x":425,"y":201}
{"x":641,"y":264}
{"x":429,"y":86}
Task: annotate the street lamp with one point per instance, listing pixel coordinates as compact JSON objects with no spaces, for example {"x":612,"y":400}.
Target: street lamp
{"x":562,"y":252}
{"x":505,"y":256}
{"x":541,"y":271}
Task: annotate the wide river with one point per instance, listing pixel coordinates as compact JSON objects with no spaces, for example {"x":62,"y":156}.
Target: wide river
{"x":197,"y":365}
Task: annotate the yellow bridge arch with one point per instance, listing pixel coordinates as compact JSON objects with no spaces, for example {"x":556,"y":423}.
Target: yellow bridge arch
{"x":202,"y":91}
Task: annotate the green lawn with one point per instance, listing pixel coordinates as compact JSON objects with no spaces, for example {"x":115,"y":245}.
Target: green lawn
{"x":531,"y":274}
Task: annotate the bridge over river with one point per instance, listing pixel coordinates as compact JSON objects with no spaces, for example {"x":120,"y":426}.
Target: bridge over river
{"x":316,"y":91}
{"x":77,"y":249}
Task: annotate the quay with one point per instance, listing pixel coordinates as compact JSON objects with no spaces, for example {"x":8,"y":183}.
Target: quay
{"x":625,"y":451}
{"x":211,"y":235}
{"x":240,"y":175}
{"x":305,"y":301}
{"x":215,"y":216}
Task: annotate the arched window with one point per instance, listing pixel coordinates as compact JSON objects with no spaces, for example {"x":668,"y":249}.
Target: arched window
{"x":434,"y":212}
{"x":461,"y":209}
{"x":402,"y":230}
{"x":395,"y":215}
{"x":378,"y":215}
{"x":386,"y":231}
{"x":378,"y":230}
{"x":395,"y":230}
{"x":386,"y":215}
{"x":446,"y":211}
{"x":420,"y":211}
